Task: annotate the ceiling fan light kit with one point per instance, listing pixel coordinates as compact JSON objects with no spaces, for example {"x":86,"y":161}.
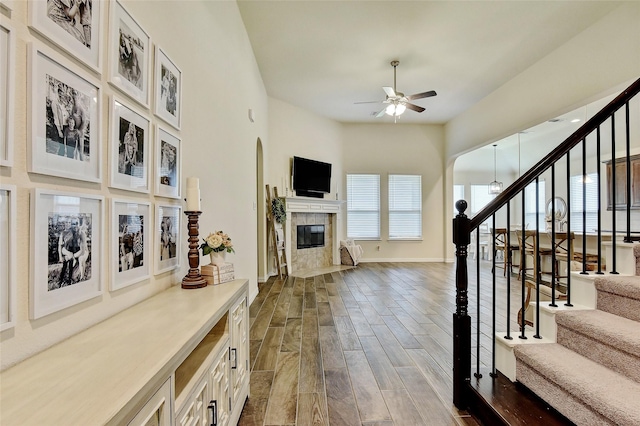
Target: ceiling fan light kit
{"x":397,"y":102}
{"x":395,"y":109}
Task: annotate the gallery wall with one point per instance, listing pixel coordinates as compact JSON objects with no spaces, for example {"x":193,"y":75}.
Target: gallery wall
{"x":221,"y":82}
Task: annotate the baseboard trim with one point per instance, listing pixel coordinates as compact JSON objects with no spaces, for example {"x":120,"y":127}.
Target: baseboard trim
{"x":405,"y":260}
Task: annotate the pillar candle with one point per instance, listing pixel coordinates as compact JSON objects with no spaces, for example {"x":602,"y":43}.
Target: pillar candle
{"x":193,"y":194}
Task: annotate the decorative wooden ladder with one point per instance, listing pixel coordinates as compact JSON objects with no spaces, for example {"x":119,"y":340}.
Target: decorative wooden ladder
{"x":278,"y":249}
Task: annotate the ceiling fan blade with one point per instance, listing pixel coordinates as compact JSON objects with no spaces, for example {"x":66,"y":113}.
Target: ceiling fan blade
{"x":368,"y":102}
{"x":389,"y":91}
{"x":422,"y":95}
{"x":413,"y":107}
{"x":381,"y":113}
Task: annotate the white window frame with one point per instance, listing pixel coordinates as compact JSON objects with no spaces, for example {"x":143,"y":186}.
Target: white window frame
{"x":576,"y":202}
{"x":363,"y":207}
{"x":405,"y":206}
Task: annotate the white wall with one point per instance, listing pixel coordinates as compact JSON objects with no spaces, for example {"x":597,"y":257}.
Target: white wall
{"x":221,"y":80}
{"x":409,"y":149}
{"x":600,"y":58}
{"x":296,"y":132}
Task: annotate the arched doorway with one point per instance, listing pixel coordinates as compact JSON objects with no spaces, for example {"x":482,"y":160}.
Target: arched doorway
{"x":261,"y":215}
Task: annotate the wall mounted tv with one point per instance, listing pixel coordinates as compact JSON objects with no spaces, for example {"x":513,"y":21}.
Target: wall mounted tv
{"x":311,"y":178}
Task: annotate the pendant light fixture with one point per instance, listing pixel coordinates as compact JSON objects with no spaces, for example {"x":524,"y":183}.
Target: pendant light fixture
{"x":495,"y":187}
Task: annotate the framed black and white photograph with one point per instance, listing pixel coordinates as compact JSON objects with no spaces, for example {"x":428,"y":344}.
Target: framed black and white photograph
{"x":7,"y":66}
{"x":168,"y":89}
{"x":74,"y":25}
{"x":130,"y":243}
{"x":167,"y":244}
{"x":128,"y":148}
{"x":168,"y":164}
{"x":63,"y":120}
{"x":67,"y":237}
{"x":8,"y":256}
{"x":129,"y":55}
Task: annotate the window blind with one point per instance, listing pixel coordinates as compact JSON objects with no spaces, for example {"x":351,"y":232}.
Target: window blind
{"x":363,"y":206}
{"x":405,"y":206}
{"x":530,"y":205}
{"x":577,"y":206}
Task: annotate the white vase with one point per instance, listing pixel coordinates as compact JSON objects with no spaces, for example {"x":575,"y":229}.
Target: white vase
{"x":217,"y":257}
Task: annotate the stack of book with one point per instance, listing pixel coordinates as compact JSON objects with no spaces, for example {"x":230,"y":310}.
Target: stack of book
{"x":217,"y":274}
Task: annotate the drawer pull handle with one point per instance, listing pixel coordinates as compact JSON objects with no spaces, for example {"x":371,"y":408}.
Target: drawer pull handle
{"x":234,"y":358}
{"x":213,"y":406}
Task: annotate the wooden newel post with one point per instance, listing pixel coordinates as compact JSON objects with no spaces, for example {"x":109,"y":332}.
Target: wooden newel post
{"x":193,"y":279}
{"x":461,"y":319}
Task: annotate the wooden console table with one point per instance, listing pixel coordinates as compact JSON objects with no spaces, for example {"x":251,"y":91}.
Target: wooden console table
{"x":135,"y":365}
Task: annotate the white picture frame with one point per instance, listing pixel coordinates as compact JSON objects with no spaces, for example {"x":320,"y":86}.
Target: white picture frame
{"x":57,"y":93}
{"x":168,"y":173}
{"x":7,"y":91}
{"x":81,"y":36}
{"x":129,"y":55}
{"x":8,"y":256}
{"x":168,"y":238}
{"x":67,"y":236}
{"x":129,"y":147}
{"x":130,"y":228}
{"x":168,"y":89}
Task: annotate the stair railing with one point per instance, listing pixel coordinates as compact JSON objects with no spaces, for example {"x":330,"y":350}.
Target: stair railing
{"x":464,"y":396}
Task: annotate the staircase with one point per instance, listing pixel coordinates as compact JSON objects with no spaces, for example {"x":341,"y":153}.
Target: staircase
{"x":591,"y":373}
{"x":587,"y":365}
{"x":581,"y":355}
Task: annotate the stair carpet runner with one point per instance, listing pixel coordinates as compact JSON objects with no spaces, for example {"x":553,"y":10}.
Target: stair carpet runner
{"x":592,"y":373}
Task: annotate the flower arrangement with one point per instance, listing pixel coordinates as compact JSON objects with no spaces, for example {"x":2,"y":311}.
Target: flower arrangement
{"x":217,"y":242}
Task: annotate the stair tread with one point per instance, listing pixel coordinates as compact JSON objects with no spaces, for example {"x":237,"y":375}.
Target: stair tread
{"x":611,"y":394}
{"x":627,"y":286}
{"x":613,"y":330}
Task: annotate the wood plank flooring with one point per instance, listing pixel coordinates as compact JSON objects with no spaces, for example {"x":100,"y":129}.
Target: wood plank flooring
{"x":364,"y":346}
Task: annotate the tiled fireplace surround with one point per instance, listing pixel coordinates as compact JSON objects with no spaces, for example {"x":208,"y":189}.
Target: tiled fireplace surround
{"x":315,"y":257}
{"x":308,"y":211}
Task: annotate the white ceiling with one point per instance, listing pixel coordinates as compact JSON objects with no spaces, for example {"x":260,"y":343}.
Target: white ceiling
{"x":325,"y":55}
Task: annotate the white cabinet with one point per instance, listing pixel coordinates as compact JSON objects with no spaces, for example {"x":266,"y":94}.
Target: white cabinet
{"x":157,"y":411}
{"x":161,"y":362}
{"x":195,"y":409}
{"x":239,"y":347}
{"x":212,"y":383}
{"x":220,"y":401}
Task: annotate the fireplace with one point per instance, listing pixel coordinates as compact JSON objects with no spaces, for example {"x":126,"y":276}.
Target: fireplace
{"x":312,"y":212}
{"x":310,"y":236}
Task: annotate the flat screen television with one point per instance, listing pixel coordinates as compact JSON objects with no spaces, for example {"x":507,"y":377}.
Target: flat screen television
{"x":311,"y":178}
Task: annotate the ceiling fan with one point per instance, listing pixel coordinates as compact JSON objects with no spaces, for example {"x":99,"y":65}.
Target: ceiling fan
{"x":397,"y":102}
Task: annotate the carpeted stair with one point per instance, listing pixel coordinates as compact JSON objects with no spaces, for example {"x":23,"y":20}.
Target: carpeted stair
{"x":592,"y":374}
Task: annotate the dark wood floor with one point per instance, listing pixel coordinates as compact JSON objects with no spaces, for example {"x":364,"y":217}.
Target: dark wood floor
{"x":354,"y":347}
{"x":367,"y":346}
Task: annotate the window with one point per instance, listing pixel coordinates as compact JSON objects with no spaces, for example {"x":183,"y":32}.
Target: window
{"x":363,"y":206}
{"x":458,"y":194}
{"x":480,"y":197}
{"x":577,"y":206}
{"x":405,"y":206}
{"x":530,"y":205}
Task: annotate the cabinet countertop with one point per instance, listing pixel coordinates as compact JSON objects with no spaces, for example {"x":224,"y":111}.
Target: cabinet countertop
{"x":99,"y":374}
